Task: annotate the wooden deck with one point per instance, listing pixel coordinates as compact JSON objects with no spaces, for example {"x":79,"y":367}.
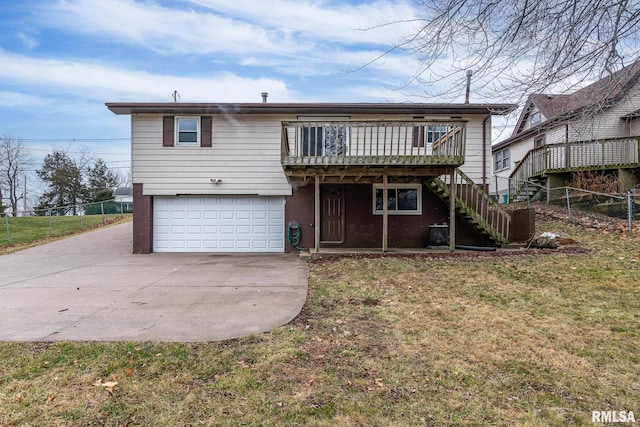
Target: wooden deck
{"x":357,"y":149}
{"x":604,"y":154}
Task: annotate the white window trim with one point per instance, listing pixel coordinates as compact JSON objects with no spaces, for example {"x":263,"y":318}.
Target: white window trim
{"x":176,"y":126}
{"x":417,"y":187}
{"x":495,"y":155}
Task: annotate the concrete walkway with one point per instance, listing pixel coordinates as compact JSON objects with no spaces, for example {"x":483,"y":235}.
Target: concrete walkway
{"x":91,"y":288}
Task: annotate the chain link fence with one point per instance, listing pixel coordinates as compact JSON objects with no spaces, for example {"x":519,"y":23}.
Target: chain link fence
{"x":573,"y":201}
{"x":32,"y":225}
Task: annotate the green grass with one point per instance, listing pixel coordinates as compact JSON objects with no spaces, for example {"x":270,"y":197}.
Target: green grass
{"x":536,"y":339}
{"x":30,"y":229}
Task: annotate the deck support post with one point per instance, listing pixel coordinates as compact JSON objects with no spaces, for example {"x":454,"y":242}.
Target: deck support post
{"x":452,"y":212}
{"x":317,"y":215}
{"x":385,"y":212}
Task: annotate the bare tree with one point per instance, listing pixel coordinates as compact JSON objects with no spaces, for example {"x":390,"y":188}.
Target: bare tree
{"x":515,"y":47}
{"x":14,"y":159}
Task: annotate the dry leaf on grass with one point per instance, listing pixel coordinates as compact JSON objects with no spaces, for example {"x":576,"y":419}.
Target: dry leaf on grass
{"x":109,"y":386}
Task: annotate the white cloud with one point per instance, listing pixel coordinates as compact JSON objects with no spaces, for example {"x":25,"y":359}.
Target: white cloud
{"x":303,"y":37}
{"x":11,"y":99}
{"x":96,"y":81}
{"x":27,"y":40}
{"x":164,"y":30}
{"x":379,"y":22}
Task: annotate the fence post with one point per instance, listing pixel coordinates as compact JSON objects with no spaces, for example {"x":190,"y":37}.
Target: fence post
{"x":50,"y":224}
{"x":6,"y":220}
{"x":630,"y":211}
{"x":568,"y":202}
{"x":102,"y":209}
{"x":80,"y":214}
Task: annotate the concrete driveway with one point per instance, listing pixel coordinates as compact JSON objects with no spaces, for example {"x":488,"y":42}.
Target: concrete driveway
{"x":91,"y":288}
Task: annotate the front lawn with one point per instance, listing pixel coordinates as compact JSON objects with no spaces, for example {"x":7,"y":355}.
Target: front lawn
{"x":536,"y":339}
{"x":29,"y":230}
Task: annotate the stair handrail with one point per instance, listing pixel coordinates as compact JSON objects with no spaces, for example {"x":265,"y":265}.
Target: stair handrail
{"x":532,"y":164}
{"x":491,"y":213}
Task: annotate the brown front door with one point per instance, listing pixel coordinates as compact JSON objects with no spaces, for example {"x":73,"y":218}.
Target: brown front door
{"x":332,"y":215}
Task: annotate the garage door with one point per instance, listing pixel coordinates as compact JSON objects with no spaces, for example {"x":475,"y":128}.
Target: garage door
{"x":218,"y":224}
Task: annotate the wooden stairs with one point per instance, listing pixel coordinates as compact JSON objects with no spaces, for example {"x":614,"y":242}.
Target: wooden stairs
{"x":475,"y":206}
{"x":533,"y":189}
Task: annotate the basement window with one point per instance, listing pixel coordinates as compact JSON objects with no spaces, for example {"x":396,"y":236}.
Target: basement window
{"x":402,"y":199}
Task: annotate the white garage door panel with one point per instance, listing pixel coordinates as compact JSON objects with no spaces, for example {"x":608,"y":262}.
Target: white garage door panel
{"x":218,"y":224}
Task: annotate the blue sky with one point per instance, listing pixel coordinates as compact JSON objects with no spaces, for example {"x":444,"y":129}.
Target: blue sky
{"x":63,"y":59}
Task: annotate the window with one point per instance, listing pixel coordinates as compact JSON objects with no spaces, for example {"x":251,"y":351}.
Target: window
{"x":327,"y":140}
{"x":430,"y":134}
{"x":539,"y":141}
{"x":188,"y":131}
{"x":536,"y":118}
{"x":402,"y":199}
{"x":501,"y":160}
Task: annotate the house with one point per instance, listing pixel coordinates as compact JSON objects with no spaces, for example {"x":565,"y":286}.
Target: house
{"x":123,"y":198}
{"x":593,"y":129}
{"x":272,"y":177}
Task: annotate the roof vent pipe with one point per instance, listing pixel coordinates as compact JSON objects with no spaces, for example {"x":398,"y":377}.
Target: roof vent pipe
{"x":264,"y":97}
{"x":466,"y":97}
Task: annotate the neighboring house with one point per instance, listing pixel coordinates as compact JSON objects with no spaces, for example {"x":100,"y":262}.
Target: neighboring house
{"x":123,"y":197}
{"x":263,"y":177}
{"x":594,"y":128}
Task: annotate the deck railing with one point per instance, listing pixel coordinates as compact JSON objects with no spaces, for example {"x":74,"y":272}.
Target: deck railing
{"x":575,"y":156}
{"x":380,"y":142}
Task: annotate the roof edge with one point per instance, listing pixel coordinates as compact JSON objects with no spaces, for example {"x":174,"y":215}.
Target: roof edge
{"x":122,"y":108}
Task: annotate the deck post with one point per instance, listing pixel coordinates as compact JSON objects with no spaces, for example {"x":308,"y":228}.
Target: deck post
{"x":317,"y":215}
{"x":452,"y":212}
{"x":385,"y":212}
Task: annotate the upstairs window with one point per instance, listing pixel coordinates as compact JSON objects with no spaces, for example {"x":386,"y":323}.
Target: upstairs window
{"x":535,"y":118}
{"x":428,"y":134}
{"x":501,"y":160}
{"x":188,"y":131}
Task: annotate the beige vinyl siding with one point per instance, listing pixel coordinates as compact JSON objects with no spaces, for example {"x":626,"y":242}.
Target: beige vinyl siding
{"x":556,"y":135}
{"x":608,"y":123}
{"x":473,"y":162}
{"x":245,"y":155}
{"x":517,"y":152}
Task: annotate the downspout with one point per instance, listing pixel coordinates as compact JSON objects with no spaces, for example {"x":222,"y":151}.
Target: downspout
{"x":484,"y":154}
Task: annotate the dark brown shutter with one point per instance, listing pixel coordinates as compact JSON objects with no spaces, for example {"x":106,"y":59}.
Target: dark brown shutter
{"x":167,"y":131}
{"x":418,"y":136}
{"x":205,"y":131}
